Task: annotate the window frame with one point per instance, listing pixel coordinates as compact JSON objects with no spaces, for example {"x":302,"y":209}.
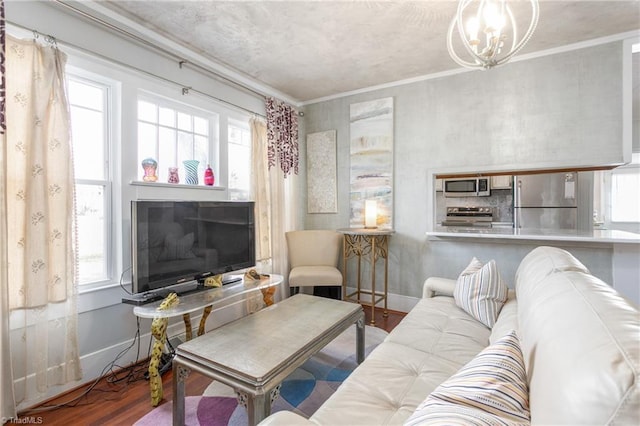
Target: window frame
{"x":110,"y":88}
{"x":214,"y":118}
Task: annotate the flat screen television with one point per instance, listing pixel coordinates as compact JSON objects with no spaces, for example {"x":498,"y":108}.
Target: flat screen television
{"x":176,"y":242}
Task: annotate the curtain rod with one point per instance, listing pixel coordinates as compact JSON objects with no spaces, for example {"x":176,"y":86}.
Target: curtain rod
{"x":171,"y":54}
{"x":185,"y":89}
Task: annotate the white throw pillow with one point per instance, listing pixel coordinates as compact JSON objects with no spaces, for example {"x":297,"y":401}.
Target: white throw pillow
{"x":481,"y":292}
{"x":490,"y":390}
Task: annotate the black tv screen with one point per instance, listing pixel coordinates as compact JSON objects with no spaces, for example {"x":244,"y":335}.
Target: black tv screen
{"x":180,"y":241}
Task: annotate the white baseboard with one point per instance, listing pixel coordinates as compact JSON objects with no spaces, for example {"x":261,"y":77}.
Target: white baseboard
{"x":93,"y":364}
{"x":395,"y":302}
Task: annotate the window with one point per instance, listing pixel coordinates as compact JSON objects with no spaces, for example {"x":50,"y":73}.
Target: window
{"x":239,"y":159}
{"x":171,"y":133}
{"x":625,"y":187}
{"x":88,"y":104}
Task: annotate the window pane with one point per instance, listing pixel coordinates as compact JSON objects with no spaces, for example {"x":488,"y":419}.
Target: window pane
{"x":185,"y":145}
{"x":201,"y":126}
{"x":625,"y":188}
{"x":92,"y":253}
{"x":184,"y":122}
{"x":147,"y":112}
{"x":85,"y":95}
{"x":201,"y":149}
{"x":167,"y":117}
{"x":239,"y":172}
{"x":87,"y":130}
{"x":147,"y":137}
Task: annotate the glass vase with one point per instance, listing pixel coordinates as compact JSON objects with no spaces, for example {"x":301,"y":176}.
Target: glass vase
{"x":191,"y":171}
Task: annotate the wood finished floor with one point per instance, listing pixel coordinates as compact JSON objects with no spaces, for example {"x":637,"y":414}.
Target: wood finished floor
{"x":123,"y":403}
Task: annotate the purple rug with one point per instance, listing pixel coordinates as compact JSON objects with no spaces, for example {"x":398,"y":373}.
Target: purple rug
{"x":302,"y":392}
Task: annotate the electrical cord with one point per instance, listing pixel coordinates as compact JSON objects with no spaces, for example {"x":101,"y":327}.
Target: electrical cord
{"x":122,"y":285}
{"x":131,"y":376}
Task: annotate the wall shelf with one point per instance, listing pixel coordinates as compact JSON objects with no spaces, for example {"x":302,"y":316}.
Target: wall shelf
{"x":176,"y":185}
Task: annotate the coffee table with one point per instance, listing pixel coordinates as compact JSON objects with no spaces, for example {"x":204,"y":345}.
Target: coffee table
{"x":256,"y":353}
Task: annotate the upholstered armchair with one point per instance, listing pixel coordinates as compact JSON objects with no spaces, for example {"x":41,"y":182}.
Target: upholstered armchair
{"x":313,"y":258}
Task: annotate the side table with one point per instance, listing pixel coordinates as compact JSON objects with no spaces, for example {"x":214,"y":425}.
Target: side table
{"x":371,"y":244}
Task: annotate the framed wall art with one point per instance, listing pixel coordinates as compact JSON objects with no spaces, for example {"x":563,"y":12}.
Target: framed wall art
{"x":322,"y":185}
{"x":371,"y":156}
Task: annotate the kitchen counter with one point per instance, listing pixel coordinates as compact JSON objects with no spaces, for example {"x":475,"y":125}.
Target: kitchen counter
{"x":507,"y":233}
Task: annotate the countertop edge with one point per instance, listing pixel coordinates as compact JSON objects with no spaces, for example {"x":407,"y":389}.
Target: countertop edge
{"x":596,"y":236}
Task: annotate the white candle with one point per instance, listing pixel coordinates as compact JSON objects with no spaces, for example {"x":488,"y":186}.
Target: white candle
{"x":370,"y":214}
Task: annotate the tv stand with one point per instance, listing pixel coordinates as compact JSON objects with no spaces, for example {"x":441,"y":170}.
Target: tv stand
{"x":210,"y":299}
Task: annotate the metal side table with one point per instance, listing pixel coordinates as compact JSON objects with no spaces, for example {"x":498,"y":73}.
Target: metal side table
{"x":371,"y":245}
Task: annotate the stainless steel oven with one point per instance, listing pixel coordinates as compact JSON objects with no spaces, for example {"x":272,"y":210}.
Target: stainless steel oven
{"x":467,"y":187}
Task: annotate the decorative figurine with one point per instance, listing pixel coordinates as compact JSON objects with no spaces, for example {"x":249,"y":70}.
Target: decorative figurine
{"x":149,"y":165}
{"x":209,"y":179}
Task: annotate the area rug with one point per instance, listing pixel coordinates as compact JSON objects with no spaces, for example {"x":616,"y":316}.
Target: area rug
{"x":302,"y":392}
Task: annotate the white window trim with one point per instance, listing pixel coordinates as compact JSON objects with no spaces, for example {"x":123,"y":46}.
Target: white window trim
{"x":111,"y":180}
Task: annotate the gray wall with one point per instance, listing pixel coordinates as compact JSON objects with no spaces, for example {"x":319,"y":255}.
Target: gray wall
{"x":563,"y":110}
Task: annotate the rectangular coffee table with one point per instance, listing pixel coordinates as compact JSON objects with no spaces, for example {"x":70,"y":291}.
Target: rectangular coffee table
{"x":255,"y":354}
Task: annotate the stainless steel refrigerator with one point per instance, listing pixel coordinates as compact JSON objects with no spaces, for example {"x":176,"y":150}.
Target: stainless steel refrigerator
{"x":546,"y":201}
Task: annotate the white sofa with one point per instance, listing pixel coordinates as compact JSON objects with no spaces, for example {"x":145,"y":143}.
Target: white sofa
{"x":579,"y":338}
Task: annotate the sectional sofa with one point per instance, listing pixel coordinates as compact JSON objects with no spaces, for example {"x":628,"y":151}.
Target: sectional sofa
{"x":564,"y":348}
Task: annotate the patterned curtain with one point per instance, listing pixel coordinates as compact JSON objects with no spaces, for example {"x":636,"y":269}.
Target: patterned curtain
{"x":282,"y":136}
{"x":7,"y":400}
{"x":40,"y":220}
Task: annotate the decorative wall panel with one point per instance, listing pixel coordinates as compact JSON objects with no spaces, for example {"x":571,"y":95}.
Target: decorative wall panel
{"x":322,"y":185}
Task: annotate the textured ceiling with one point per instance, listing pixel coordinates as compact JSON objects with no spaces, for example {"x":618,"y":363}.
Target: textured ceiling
{"x":314,"y":49}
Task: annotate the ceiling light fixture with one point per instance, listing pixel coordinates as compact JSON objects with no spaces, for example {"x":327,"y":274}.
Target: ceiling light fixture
{"x":496,"y":20}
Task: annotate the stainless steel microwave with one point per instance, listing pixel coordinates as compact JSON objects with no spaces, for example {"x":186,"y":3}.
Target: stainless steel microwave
{"x":467,"y":187}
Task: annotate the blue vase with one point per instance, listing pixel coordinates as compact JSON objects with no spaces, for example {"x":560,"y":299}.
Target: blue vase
{"x":191,"y":171}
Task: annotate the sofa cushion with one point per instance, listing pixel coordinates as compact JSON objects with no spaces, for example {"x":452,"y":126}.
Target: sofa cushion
{"x":491,"y":389}
{"x":430,"y":344}
{"x":481,"y":292}
{"x":579,"y":339}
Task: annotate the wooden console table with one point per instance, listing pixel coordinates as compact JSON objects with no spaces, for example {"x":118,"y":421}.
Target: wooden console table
{"x":209,"y":300}
{"x":371,"y":244}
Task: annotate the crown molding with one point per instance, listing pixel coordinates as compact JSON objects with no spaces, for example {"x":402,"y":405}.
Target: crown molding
{"x":525,"y":57}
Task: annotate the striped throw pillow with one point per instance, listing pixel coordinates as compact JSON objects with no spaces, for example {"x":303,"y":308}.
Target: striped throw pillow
{"x":490,"y":390}
{"x":481,"y":292}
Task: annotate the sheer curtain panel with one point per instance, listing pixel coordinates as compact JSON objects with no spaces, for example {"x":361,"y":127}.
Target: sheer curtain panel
{"x":40,"y":221}
{"x":275,"y":202}
{"x":7,"y":401}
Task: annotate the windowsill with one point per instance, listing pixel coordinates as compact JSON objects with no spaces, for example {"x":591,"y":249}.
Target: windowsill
{"x":175,"y":185}
{"x":92,"y":298}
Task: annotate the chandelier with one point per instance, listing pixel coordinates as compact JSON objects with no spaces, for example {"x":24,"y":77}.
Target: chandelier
{"x":496,"y":20}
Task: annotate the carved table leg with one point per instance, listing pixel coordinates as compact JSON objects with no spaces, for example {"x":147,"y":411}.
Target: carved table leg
{"x":187,"y":326}
{"x":180,"y":374}
{"x":203,"y":320}
{"x":267,"y":295}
